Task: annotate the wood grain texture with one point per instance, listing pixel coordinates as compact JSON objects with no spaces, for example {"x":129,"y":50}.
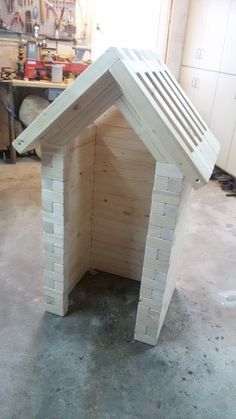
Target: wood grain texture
{"x":80,"y":154}
{"x":123,"y":181}
{"x":164,"y":244}
{"x":67,"y":189}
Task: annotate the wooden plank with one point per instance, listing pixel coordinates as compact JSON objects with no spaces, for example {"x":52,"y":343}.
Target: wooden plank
{"x":112,"y":117}
{"x":126,"y":216}
{"x":85,"y":137}
{"x":118,"y":268}
{"x":106,"y":254}
{"x":106,"y":225}
{"x":117,"y":132}
{"x":134,"y":241}
{"x":124,"y":251}
{"x":87,"y":114}
{"x":141,"y":128}
{"x":64,"y":103}
{"x":124,"y":143}
{"x":141,"y":174}
{"x":151,"y":114}
{"x":110,"y":184}
{"x":142,"y":205}
{"x":119,"y":154}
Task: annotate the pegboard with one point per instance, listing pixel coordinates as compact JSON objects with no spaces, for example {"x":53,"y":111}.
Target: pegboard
{"x":21,"y":16}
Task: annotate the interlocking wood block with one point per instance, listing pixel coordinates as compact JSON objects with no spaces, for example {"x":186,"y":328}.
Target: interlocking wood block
{"x":121,"y":148}
{"x":159,"y":263}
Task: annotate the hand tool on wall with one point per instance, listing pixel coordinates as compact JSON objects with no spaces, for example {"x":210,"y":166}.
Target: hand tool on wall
{"x":36,"y":30}
{"x":36,"y":25}
{"x":42,"y":10}
{"x":17,"y":19}
{"x":35,"y":13}
{"x":10,"y":5}
{"x":20,"y":63}
{"x":58,"y":24}
{"x":50,"y":7}
{"x":28,"y":22}
{"x":61,"y":17}
{"x":69,"y":25}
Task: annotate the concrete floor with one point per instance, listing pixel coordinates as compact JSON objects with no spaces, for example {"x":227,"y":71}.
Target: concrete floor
{"x":86,"y":365}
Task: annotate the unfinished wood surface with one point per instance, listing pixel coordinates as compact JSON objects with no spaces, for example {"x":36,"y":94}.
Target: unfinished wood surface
{"x":67,"y":184}
{"x":80,"y":155}
{"x":54,"y":257}
{"x":150,"y":99}
{"x":84,"y":92}
{"x":107,"y":205}
{"x":168,"y":221}
{"x":115,"y":194}
{"x":123,"y":182}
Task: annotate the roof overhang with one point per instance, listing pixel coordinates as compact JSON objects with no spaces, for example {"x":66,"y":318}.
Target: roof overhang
{"x":151,"y":100}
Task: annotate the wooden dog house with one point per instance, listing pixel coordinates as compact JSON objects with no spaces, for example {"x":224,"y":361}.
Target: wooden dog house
{"x":121,"y":149}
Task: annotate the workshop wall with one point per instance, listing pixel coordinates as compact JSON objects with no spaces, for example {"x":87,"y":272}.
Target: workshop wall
{"x":78,"y":13}
{"x":21,"y":15}
{"x":8,"y":52}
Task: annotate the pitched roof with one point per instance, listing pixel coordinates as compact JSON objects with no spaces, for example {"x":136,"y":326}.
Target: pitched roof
{"x":151,"y":100}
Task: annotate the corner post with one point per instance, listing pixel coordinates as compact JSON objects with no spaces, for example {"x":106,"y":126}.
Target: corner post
{"x":167,"y":223}
{"x":53,"y":202}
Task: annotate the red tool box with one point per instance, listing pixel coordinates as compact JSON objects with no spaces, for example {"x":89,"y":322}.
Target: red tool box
{"x":38,"y":69}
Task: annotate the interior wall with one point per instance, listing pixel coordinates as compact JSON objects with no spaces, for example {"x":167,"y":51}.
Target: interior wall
{"x":123,"y":182}
{"x":78,"y":204}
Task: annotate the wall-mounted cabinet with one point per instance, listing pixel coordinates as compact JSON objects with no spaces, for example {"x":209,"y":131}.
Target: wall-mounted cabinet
{"x":223,"y":117}
{"x":208,"y":72}
{"x":228,"y":64}
{"x":231,"y":156}
{"x":206,"y":29}
{"x":200,"y":85}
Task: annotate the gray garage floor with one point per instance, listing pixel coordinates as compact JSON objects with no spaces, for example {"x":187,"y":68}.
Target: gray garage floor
{"x":86,"y":365}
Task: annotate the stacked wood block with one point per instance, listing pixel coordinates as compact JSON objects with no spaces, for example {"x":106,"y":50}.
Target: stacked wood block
{"x":55,"y":286}
{"x":164,"y":243}
{"x":100,"y":208}
{"x":108,"y":205}
{"x":67,"y":174}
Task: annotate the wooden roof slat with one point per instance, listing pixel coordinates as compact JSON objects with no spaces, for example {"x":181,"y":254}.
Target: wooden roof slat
{"x":64,"y":103}
{"x":151,"y":100}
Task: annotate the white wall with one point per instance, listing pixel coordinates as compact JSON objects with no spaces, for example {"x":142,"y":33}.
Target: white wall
{"x":178,"y":23}
{"x":129,"y":23}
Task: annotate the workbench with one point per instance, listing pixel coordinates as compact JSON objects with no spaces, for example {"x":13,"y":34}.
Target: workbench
{"x":16,"y":94}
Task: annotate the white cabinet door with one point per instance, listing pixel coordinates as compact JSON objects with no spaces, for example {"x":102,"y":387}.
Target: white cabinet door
{"x":200,"y":86}
{"x":223,"y":117}
{"x":206,"y":29}
{"x":217,"y":20}
{"x":229,"y":54}
{"x":195,"y":32}
{"x":231,"y":163}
